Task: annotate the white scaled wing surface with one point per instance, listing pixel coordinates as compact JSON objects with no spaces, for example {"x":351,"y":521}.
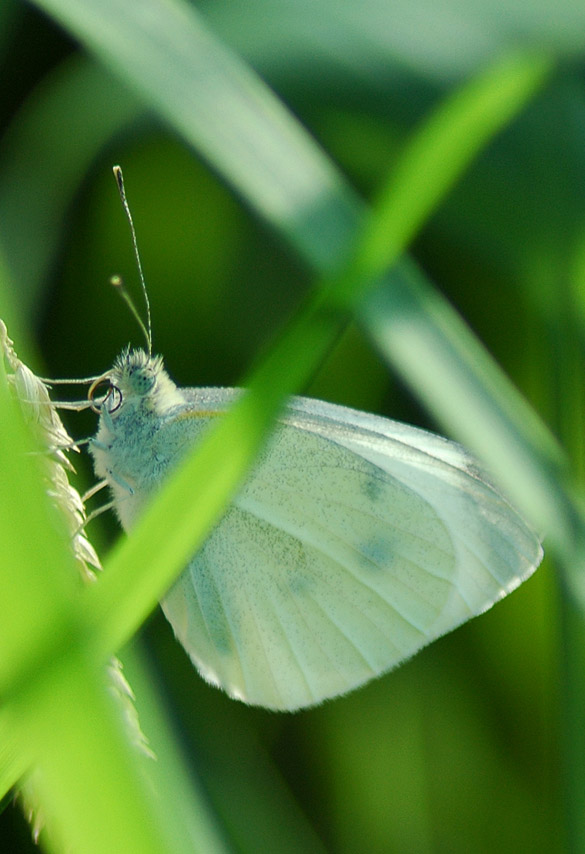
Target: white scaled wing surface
{"x":355,"y":542}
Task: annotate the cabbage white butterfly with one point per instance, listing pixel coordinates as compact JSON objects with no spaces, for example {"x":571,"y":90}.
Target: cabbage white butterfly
{"x":355,"y":541}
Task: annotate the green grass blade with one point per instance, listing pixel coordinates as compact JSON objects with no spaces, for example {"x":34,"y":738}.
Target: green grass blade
{"x":13,"y":761}
{"x":57,"y":698}
{"x":36,"y":600}
{"x":106,"y":804}
{"x":438,"y":154}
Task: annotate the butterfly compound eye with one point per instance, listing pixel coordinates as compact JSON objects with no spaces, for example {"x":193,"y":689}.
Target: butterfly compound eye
{"x":142,"y":380}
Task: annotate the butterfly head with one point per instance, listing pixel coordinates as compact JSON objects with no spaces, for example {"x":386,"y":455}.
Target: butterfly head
{"x":135,"y":373}
{"x":137,"y":379}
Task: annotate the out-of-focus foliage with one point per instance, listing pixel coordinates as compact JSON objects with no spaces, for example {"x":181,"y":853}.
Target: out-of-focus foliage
{"x":464,"y":748}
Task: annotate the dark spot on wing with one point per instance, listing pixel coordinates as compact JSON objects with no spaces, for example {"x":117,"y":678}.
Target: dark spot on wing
{"x":376,"y":554}
{"x":299,"y":585}
{"x":373,"y":488}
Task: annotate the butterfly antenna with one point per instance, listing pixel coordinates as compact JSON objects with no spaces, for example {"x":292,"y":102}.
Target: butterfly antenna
{"x":117,"y":282}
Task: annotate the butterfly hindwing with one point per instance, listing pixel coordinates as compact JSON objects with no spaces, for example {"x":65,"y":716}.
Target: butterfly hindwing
{"x":346,"y":551}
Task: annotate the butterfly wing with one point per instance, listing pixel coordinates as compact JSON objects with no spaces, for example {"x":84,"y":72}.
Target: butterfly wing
{"x":355,"y":542}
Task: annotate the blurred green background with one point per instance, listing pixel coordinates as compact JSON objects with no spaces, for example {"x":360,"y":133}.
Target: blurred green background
{"x":462,"y":748}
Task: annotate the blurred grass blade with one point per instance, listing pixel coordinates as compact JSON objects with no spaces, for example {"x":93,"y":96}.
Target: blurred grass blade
{"x":443,"y":41}
{"x":177,"y":523}
{"x":77,"y":95}
{"x":218,"y":104}
{"x":57,"y":698}
{"x":13,"y":762}
{"x":181,"y":789}
{"x":437,"y":155}
{"x":44,"y":669}
{"x":438,"y":355}
{"x":37,"y":574}
{"x":67,"y":712}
